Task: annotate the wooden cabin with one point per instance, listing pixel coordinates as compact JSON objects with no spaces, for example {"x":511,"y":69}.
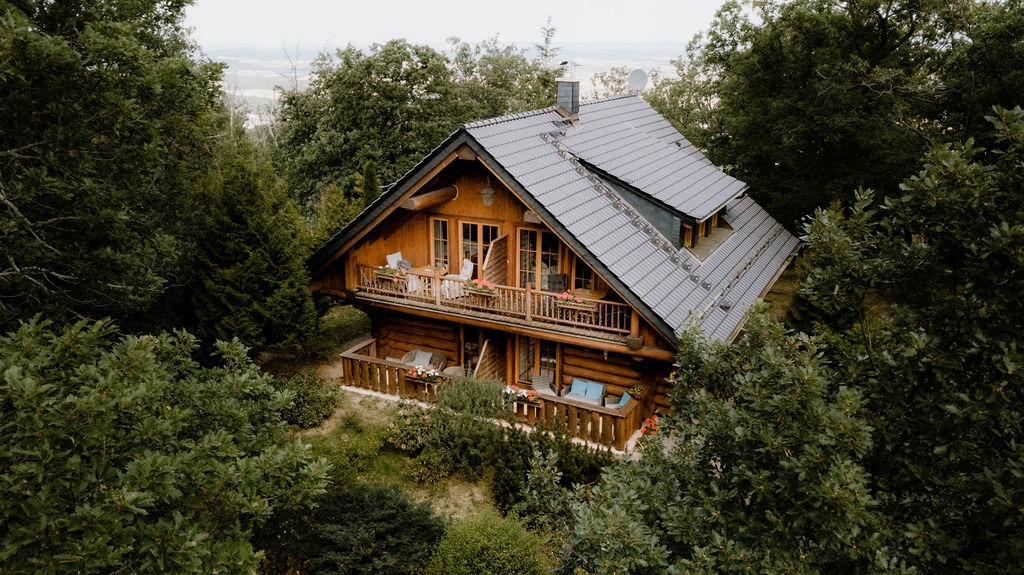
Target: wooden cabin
{"x":559,"y":250}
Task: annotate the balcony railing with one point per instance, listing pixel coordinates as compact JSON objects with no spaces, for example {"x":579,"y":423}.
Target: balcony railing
{"x":609,"y":426}
{"x":509,"y":302}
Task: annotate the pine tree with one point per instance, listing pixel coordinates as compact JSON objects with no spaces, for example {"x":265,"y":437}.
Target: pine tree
{"x":251,"y":280}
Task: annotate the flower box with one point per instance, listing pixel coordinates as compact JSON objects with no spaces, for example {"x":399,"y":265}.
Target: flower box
{"x":577,"y":305}
{"x":394,"y":275}
{"x":480,"y":287}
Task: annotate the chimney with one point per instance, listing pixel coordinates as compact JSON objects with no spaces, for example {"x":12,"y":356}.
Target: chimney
{"x":568,"y":98}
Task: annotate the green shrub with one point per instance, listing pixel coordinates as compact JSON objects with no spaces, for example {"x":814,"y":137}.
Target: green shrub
{"x":349,"y":453}
{"x":357,"y":529}
{"x":577,"y":464}
{"x":409,"y":428}
{"x":313,"y":402}
{"x":490,"y":544}
{"x":474,"y":397}
{"x":545,"y":502}
{"x":339,"y":327}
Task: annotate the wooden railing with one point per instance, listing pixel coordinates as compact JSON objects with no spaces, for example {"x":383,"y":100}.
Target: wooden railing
{"x":526,"y":304}
{"x":594,"y":423}
{"x":610,"y":426}
{"x":362,"y":368}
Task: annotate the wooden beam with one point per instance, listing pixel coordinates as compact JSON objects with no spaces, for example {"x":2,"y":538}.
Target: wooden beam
{"x":432,"y":198}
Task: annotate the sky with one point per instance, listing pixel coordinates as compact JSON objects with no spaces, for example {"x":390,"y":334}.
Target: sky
{"x":319,"y":24}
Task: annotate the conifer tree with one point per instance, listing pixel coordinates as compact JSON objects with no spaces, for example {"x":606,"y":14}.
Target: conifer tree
{"x":251,"y":281}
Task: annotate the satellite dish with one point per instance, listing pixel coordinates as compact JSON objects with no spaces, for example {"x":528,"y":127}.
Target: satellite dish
{"x":637,"y":79}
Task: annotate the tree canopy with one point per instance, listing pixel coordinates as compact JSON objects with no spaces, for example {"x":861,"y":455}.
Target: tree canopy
{"x":392,"y":105}
{"x":106,"y":120}
{"x":888,"y":440}
{"x":250,"y":277}
{"x":809,"y":100}
{"x":123,"y":454}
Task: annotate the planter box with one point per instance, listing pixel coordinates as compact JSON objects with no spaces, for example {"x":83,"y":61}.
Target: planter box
{"x":480,"y":292}
{"x":393,"y":278}
{"x":581,"y":306}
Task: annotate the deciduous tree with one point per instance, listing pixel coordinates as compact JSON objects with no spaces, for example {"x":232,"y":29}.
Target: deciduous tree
{"x":815,"y":98}
{"x":124,"y":455}
{"x":759,"y":471}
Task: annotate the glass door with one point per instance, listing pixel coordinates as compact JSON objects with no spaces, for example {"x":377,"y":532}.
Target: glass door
{"x":538,"y":259}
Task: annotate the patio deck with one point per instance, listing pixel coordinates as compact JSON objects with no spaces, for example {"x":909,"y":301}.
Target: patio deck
{"x":536,"y":308}
{"x":597,"y":424}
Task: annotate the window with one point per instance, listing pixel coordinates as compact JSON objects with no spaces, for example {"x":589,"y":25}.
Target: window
{"x":583,"y":276}
{"x":476,"y":238}
{"x":536,"y":357}
{"x":538,"y":258}
{"x":439,"y":246}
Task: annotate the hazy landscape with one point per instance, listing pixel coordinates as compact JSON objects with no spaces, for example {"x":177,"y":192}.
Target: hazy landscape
{"x":255,"y":73}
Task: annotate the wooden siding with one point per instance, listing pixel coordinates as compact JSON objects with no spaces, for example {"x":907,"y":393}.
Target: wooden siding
{"x":618,"y":373}
{"x":397,"y":334}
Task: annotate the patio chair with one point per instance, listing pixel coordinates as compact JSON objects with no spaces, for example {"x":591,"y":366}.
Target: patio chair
{"x":452,"y":284}
{"x":396,"y":260}
{"x":425,"y":358}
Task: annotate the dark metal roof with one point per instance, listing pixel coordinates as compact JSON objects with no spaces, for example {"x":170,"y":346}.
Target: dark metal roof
{"x":552,"y":159}
{"x":559,"y":168}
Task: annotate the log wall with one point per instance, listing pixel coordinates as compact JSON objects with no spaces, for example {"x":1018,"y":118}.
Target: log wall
{"x":618,"y":372}
{"x":398,"y":333}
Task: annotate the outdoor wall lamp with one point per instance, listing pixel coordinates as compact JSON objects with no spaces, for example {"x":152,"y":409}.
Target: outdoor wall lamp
{"x":487,"y":194}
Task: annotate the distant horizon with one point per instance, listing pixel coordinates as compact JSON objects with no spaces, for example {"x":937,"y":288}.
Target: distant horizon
{"x":254,"y":72}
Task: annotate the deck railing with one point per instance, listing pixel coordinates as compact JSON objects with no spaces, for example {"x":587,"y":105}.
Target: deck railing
{"x":594,"y":423}
{"x":525,"y":304}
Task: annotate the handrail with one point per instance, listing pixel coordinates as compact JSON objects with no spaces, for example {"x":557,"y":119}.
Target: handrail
{"x":595,"y":423}
{"x":526,"y":304}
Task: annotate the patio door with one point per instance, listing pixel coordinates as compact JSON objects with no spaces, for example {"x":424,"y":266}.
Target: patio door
{"x":475,"y":239}
{"x":536,"y":361}
{"x":538,"y":259}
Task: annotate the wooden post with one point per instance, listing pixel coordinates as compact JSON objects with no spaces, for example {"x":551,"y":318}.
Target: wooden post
{"x":529,"y":302}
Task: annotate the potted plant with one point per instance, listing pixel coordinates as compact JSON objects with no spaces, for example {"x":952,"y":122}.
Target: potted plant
{"x":480,"y":286}
{"x":392,"y":274}
{"x":569,"y":300}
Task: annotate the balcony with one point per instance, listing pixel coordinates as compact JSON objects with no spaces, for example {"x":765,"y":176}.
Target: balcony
{"x":598,"y":424}
{"x":586,"y":316}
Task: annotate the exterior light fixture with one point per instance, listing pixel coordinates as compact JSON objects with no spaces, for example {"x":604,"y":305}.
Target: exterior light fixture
{"x":487,"y":194}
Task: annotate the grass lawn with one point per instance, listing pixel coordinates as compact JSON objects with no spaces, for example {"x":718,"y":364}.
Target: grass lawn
{"x":353,"y":441}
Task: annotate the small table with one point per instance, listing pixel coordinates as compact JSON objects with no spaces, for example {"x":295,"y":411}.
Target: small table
{"x":429,"y":271}
{"x":588,"y":293}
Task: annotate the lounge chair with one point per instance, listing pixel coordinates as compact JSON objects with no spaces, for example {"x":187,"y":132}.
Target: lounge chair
{"x":452,"y":284}
{"x":426,"y":359}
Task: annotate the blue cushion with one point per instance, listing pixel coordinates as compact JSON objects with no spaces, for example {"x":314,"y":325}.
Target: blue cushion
{"x":579,"y":386}
{"x":594,"y":390}
{"x":624,"y":400}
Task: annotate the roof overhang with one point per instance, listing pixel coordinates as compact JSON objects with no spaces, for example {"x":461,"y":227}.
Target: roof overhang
{"x":462,"y":145}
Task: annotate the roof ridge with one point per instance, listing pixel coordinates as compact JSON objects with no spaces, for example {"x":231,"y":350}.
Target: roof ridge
{"x":506,"y":118}
{"x":609,"y":98}
{"x":520,"y":115}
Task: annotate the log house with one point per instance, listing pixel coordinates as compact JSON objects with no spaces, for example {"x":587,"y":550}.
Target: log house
{"x":597,"y":230}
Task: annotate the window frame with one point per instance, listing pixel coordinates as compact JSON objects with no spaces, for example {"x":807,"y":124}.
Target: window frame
{"x":443,"y":260}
